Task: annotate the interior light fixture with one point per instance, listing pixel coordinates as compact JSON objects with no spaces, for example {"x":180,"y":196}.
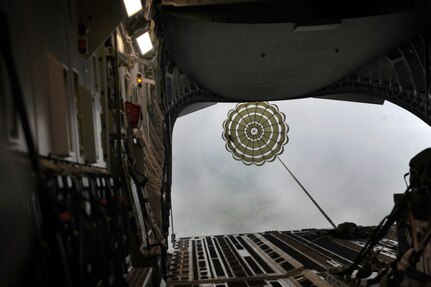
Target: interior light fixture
{"x":132,"y":7}
{"x":144,"y":43}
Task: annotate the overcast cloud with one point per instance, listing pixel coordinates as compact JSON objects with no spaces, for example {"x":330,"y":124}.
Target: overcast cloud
{"x":351,"y":157}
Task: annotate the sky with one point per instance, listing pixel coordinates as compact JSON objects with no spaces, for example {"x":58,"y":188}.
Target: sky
{"x":351,"y":157}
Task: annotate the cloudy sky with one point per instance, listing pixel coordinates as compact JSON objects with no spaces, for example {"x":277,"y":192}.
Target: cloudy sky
{"x":351,"y":157}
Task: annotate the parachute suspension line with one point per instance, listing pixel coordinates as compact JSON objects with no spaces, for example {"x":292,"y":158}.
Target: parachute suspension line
{"x":306,"y":192}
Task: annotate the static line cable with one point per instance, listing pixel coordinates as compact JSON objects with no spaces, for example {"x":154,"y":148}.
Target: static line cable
{"x":405,"y":178}
{"x":306,"y":192}
{"x":423,"y":244}
{"x":18,"y":98}
{"x":380,"y":231}
{"x":19,"y":103}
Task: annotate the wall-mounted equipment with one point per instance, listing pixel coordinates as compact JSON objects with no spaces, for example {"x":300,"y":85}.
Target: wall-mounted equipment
{"x":60,"y":107}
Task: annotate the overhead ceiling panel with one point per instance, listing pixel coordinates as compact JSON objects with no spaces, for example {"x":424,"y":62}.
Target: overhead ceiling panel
{"x":271,"y":61}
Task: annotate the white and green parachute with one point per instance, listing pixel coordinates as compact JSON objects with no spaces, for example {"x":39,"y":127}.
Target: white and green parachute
{"x":255,"y":132}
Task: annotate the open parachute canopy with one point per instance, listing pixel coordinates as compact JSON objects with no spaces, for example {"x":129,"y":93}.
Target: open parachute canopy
{"x":255,"y":132}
